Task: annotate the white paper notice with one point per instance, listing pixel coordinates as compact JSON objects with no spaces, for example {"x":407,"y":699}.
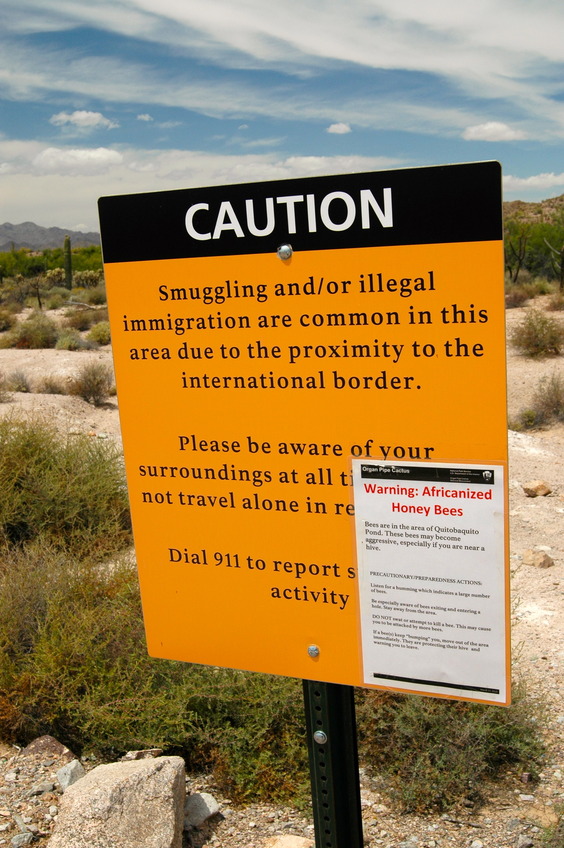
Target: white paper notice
{"x":432,"y":578}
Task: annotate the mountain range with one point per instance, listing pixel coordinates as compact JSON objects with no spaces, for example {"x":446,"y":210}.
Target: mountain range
{"x":15,"y":236}
{"x":34,"y":237}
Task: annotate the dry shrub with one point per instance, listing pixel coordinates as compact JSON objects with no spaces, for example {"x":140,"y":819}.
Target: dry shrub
{"x":7,"y":319}
{"x":51,"y":385}
{"x":547,"y":405}
{"x":516,"y":296}
{"x":5,"y":394}
{"x":18,"y":381}
{"x":538,"y":335}
{"x":94,"y":383}
{"x":36,"y":332}
{"x":556,"y":302}
{"x":80,"y":319}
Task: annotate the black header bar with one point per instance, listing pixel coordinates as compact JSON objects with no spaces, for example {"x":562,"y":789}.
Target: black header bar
{"x":428,"y":473}
{"x":442,"y":204}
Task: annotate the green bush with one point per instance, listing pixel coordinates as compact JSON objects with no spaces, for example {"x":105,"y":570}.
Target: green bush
{"x":539,"y":286}
{"x":92,"y":297}
{"x":36,"y":332}
{"x":70,"y":339}
{"x":538,"y":335}
{"x":54,"y":301}
{"x":96,"y":296}
{"x":94,"y":383}
{"x":100,"y":333}
{"x":73,"y":663}
{"x":59,"y":291}
{"x":69,"y":491}
{"x":435,"y":752}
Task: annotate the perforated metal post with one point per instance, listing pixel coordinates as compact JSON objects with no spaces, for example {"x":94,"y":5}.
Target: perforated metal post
{"x":333,"y":762}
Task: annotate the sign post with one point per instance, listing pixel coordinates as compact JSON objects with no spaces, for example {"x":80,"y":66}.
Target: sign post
{"x":333,"y":764}
{"x":269,"y":337}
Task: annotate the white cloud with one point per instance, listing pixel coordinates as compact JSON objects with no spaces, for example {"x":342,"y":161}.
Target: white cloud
{"x":339,"y":129}
{"x":45,"y":173}
{"x":115,"y":80}
{"x":537,"y":181}
{"x":493,"y":49}
{"x":83,"y":120}
{"x":492,"y":131}
{"x":259,"y":142}
{"x":77,"y":161}
{"x":491,"y":45}
{"x":145,"y":117}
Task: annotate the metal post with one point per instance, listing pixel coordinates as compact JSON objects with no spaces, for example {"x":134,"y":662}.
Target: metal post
{"x":333,"y":762}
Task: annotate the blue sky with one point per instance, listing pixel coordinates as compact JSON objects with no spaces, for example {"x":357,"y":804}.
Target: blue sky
{"x":122,"y":96}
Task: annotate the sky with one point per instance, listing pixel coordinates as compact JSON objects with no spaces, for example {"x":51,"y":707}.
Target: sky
{"x":101,"y":97}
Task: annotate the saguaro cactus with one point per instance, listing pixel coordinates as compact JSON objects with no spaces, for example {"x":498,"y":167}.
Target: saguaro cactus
{"x":67,"y":262}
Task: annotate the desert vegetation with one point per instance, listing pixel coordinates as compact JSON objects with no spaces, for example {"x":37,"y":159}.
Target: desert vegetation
{"x":534,"y":241}
{"x":73,"y":661}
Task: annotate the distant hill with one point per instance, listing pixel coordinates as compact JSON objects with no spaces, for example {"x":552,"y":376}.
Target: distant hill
{"x":34,"y":237}
{"x":545,"y":211}
{"x":39,"y":238}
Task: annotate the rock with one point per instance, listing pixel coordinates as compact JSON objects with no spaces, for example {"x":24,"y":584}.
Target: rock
{"x":198,"y":808}
{"x":41,"y":788}
{"x":137,"y":804}
{"x":20,"y":823}
{"x":21,"y":839}
{"x":48,"y":745}
{"x":70,"y":773}
{"x":524,"y":841}
{"x":536,"y":488}
{"x":538,"y":559}
{"x":144,"y":754}
{"x":289,"y":842}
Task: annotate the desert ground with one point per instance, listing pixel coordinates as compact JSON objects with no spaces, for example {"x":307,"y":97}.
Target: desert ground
{"x":517,"y":811}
